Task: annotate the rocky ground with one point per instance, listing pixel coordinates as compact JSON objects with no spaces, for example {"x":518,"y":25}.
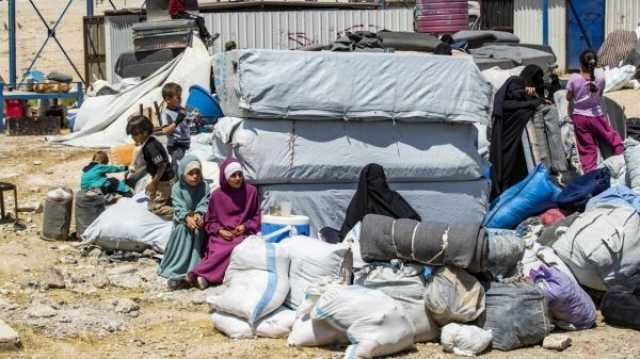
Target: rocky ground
{"x":69,"y":301}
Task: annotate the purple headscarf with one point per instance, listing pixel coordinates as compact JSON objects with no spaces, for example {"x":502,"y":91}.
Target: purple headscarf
{"x":234,"y":206}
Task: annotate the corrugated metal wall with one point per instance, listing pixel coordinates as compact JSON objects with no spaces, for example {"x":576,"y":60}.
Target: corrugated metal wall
{"x":118,"y":40}
{"x":268,"y":29}
{"x":622,"y":15}
{"x":527,"y":24}
{"x":296,"y":29}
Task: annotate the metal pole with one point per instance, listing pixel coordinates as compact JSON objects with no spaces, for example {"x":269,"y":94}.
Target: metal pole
{"x":89,"y":7}
{"x":545,"y":22}
{"x":12,"y":43}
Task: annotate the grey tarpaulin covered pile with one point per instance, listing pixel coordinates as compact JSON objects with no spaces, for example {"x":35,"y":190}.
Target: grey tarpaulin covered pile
{"x":304,"y":124}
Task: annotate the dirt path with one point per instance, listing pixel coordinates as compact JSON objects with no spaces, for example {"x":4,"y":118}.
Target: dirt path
{"x":83,"y":320}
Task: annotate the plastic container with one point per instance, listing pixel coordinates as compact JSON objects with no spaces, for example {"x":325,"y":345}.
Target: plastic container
{"x":15,"y":108}
{"x":438,"y":16}
{"x":89,"y":205}
{"x":122,"y":154}
{"x":57,"y":214}
{"x":271,"y":224}
{"x":206,"y":104}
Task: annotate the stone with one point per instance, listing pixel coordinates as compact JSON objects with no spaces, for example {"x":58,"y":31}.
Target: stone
{"x":126,"y":281}
{"x":125,"y":305}
{"x":95,"y":253}
{"x":6,"y":306}
{"x":41,"y":311}
{"x":37,"y":163}
{"x":68,"y":260}
{"x":126,"y":269}
{"x":9,"y":338}
{"x":149,"y":253}
{"x":53,"y":279}
{"x":557,"y":342}
{"x":101,"y":281}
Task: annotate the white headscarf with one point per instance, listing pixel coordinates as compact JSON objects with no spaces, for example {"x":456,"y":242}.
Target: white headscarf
{"x":232,"y":168}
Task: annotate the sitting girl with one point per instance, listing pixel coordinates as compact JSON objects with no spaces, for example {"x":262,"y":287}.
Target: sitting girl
{"x":234,"y":214}
{"x":190,"y":198}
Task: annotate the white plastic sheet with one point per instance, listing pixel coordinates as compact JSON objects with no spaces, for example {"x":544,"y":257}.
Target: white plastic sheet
{"x":107,"y":125}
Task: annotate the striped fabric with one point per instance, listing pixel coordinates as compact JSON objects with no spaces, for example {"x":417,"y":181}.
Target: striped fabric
{"x":616,"y":48}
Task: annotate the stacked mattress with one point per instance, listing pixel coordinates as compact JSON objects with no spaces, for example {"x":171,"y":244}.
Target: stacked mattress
{"x":304,"y":124}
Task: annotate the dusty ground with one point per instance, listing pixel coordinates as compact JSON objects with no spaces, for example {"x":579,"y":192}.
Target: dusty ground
{"x":122,"y":309}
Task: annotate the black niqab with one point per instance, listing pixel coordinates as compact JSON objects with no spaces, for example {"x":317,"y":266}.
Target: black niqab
{"x":512,"y":109}
{"x":374,"y":196}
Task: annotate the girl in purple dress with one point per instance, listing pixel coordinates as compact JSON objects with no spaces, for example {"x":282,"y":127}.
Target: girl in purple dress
{"x":234,"y":214}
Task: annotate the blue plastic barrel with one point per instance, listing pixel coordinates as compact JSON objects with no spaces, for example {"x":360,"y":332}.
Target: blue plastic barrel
{"x":206,"y":104}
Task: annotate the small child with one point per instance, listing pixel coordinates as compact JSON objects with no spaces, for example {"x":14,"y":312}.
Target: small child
{"x":94,"y":176}
{"x":174,"y":124}
{"x":584,"y":92}
{"x":157,"y":165}
{"x":190,"y":197}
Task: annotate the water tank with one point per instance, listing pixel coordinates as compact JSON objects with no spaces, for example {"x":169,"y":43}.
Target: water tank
{"x":439,"y":17}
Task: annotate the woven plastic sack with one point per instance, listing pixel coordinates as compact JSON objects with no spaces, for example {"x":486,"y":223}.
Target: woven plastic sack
{"x":529,"y":197}
{"x":453,"y":295}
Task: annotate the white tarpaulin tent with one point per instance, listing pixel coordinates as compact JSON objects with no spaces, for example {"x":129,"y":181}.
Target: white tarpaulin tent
{"x":104,"y":123}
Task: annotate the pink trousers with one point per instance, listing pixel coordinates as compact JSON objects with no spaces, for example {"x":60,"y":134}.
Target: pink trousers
{"x":589,"y":132}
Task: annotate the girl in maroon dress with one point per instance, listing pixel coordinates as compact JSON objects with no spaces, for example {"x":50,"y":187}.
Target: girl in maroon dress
{"x":234,"y":214}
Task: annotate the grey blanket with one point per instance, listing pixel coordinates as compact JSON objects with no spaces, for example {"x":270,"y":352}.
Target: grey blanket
{"x":432,"y":242}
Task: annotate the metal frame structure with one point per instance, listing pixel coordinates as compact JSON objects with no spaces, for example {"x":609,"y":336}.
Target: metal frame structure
{"x":51,"y":34}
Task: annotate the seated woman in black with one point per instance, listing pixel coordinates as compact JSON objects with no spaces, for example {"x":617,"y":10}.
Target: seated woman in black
{"x":373,"y":196}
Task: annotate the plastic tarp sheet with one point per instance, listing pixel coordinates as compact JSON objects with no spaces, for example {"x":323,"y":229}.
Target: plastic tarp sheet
{"x":108,"y":121}
{"x":518,"y":55}
{"x":354,"y":86}
{"x":291,"y":151}
{"x":326,"y":204}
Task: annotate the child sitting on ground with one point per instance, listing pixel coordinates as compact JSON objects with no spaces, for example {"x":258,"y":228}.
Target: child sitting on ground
{"x":174,"y":124}
{"x":190,"y":197}
{"x":94,"y":176}
{"x":157,"y":165}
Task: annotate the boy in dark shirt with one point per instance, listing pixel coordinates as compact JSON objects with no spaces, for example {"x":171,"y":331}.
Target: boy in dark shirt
{"x":158,"y":166}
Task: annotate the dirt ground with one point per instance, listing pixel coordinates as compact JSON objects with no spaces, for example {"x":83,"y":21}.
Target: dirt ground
{"x":86,"y":319}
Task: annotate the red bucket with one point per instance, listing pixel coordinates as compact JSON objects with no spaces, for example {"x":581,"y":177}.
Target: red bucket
{"x":14,"y":108}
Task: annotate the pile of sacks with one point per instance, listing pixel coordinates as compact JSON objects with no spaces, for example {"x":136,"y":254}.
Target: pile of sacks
{"x":304,"y":124}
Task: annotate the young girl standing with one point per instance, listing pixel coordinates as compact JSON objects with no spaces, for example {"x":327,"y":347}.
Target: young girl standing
{"x":584,"y":92}
{"x":190,"y":198}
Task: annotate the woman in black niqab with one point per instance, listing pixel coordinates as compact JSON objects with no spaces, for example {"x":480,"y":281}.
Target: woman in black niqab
{"x":374,"y":196}
{"x":514,"y":105}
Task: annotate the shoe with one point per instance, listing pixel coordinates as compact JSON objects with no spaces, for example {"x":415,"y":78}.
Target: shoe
{"x":202,"y":283}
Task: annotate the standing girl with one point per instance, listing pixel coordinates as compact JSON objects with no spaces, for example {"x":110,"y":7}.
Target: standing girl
{"x":190,"y":198}
{"x":584,"y":92}
{"x":234,"y":214}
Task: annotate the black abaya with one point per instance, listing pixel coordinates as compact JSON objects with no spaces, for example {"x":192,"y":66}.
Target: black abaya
{"x":511,"y":111}
{"x":374,"y":196}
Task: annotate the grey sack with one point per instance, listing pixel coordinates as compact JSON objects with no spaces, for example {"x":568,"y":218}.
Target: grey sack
{"x":517,"y":315}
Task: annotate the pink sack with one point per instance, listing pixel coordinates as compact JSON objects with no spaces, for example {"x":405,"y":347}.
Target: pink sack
{"x":551,"y":217}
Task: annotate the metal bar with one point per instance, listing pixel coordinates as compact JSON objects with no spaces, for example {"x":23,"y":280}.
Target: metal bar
{"x":68,"y":58}
{"x":545,"y":22}
{"x":89,"y":7}
{"x":12,"y":44}
{"x":112,"y":5}
{"x":2,"y":104}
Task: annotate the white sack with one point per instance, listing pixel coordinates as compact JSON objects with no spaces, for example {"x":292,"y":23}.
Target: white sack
{"x":275,"y":325}
{"x":351,"y":86}
{"x":453,"y":295}
{"x":256,"y":282}
{"x":536,"y":255}
{"x":128,"y":225}
{"x":497,"y":76}
{"x":632,"y":158}
{"x":311,"y":260}
{"x":618,"y":78}
{"x":307,"y":332}
{"x":107,"y":127}
{"x":465,"y":340}
{"x":286,"y":151}
{"x":404,"y":283}
{"x":375,"y":323}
